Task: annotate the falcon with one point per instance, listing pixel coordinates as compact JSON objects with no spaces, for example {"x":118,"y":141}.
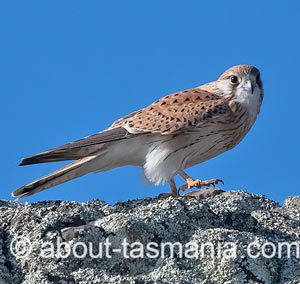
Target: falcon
{"x":174,"y":133}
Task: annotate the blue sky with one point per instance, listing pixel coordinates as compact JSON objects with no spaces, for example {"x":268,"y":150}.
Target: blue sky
{"x":70,"y":68}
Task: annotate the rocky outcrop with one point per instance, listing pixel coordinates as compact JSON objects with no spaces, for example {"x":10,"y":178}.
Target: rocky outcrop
{"x":217,"y":237}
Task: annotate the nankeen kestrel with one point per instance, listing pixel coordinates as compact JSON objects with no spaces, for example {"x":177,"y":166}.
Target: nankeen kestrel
{"x":174,"y":133}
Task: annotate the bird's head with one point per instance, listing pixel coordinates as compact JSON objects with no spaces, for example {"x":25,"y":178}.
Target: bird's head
{"x":243,"y":84}
{"x":241,"y":81}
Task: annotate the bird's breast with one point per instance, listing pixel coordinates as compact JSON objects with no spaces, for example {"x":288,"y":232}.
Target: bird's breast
{"x":216,"y":138}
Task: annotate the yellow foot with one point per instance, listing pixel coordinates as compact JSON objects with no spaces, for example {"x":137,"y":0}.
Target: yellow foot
{"x":199,"y":183}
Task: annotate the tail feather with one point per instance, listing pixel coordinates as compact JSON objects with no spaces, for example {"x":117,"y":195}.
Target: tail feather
{"x":78,"y":149}
{"x":58,"y":154}
{"x":45,"y":158}
{"x":69,"y":172}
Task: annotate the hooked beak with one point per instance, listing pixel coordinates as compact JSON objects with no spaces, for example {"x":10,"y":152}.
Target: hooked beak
{"x":249,"y":86}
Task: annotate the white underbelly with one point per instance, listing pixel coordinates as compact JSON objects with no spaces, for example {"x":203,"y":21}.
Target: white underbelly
{"x":166,"y":159}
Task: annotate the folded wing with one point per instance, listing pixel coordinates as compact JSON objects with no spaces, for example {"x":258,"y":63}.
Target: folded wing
{"x":78,"y":149}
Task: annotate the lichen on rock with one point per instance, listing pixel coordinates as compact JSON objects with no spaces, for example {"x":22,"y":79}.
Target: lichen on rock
{"x":221,"y":225}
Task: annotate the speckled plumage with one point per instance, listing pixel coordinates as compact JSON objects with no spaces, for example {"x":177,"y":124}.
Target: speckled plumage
{"x":175,"y":112}
{"x":174,"y":133}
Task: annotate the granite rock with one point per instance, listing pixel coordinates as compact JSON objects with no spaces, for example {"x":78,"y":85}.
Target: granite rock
{"x":217,"y":237}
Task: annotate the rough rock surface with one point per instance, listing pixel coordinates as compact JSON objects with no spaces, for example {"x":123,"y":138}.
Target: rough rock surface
{"x":227,"y":221}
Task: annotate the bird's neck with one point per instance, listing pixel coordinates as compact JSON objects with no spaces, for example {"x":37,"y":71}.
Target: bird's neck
{"x":252,"y":102}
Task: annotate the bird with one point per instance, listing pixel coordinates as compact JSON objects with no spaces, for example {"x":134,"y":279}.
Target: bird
{"x":174,"y":133}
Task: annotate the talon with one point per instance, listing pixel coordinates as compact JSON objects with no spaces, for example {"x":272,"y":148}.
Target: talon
{"x":191,"y":183}
{"x":219,"y":181}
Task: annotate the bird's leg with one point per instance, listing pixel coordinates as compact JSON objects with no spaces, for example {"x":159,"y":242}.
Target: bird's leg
{"x":174,"y":190}
{"x":191,"y":183}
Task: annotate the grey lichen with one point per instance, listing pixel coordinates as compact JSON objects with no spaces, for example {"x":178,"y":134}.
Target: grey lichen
{"x":211,"y":217}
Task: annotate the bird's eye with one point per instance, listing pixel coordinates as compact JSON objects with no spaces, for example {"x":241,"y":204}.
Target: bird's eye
{"x":234,"y":80}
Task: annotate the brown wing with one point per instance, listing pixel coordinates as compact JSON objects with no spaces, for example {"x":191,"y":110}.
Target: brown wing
{"x":175,"y":112}
{"x":171,"y":114}
{"x":78,"y":149}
